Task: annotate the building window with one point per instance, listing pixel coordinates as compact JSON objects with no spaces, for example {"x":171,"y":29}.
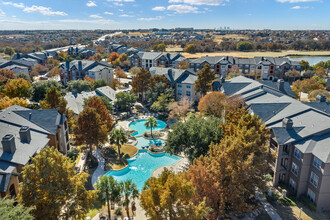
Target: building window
{"x":179,"y":85}
{"x":297,"y":153}
{"x":179,"y":92}
{"x":188,"y":93}
{"x":188,"y":86}
{"x":317,"y":163}
{"x":292,"y":184}
{"x":311,"y":195}
{"x":314,"y":179}
{"x":294,"y":169}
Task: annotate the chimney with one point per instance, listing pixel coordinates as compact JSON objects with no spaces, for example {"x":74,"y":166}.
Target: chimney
{"x":169,"y":71}
{"x":67,"y":65}
{"x":30,"y":116}
{"x":8,"y":144}
{"x":77,"y":50}
{"x":287,"y":123}
{"x":79,"y":65}
{"x":280,"y":84}
{"x":321,"y":98}
{"x":25,"y":134}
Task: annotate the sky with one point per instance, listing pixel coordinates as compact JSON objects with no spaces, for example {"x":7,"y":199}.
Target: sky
{"x":135,"y":14}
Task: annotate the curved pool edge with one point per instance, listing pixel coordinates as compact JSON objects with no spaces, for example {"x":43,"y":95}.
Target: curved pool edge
{"x":143,"y":132}
{"x":167,"y":166}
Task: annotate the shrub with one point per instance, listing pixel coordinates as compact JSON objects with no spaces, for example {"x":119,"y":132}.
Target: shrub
{"x":118,"y":212}
{"x":268,"y":177}
{"x":73,"y":153}
{"x":308,"y":203}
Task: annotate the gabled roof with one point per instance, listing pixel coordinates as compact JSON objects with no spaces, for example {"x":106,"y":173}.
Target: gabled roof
{"x":265,"y":111}
{"x":322,"y":106}
{"x":107,"y":92}
{"x":175,"y":75}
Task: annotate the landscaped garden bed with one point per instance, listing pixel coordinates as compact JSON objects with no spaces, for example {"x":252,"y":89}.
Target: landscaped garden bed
{"x":112,"y":159}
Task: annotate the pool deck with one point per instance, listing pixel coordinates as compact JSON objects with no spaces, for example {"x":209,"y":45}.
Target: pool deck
{"x":176,"y":168}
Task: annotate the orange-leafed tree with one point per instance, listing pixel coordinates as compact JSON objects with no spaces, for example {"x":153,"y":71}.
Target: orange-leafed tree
{"x":113,"y":56}
{"x":17,"y":88}
{"x":229,"y":175}
{"x":141,"y":81}
{"x":204,"y":80}
{"x":6,"y":102}
{"x":214,"y":104}
{"x":54,"y":100}
{"x":96,"y":103}
{"x":5,"y":75}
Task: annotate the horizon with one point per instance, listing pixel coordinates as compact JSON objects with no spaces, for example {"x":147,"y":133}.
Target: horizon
{"x":143,"y":14}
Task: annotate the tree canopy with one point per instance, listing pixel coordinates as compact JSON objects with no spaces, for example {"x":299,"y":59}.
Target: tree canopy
{"x":204,"y":80}
{"x":39,"y":89}
{"x":213,"y":104}
{"x":124,"y":100}
{"x":79,"y":86}
{"x":140,"y":83}
{"x":194,"y":136}
{"x":6,"y":102}
{"x":57,"y":190}
{"x":17,"y":88}
{"x":10,"y":211}
{"x":54,"y":100}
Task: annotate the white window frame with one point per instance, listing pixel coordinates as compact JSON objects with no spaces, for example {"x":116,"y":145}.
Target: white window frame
{"x":317,"y":163}
{"x":294,"y":169}
{"x":314,"y":179}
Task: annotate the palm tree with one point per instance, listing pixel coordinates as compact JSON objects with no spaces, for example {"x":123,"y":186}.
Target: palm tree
{"x":118,"y":137}
{"x":130,"y":192}
{"x":110,"y":190}
{"x":151,"y":123}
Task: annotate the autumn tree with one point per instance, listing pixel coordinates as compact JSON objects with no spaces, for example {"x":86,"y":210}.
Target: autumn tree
{"x":57,"y":189}
{"x":234,"y":168}
{"x":134,"y":70}
{"x":140,"y":83}
{"x":96,"y":103}
{"x":6,"y":75}
{"x":313,"y":94}
{"x":190,"y":48}
{"x":213,"y":104}
{"x":159,"y":79}
{"x":54,"y":100}
{"x":194,"y":136}
{"x":184,"y":65}
{"x":40,"y":68}
{"x":6,"y":102}
{"x":161,"y":47}
{"x":97,"y":57}
{"x":292,"y":75}
{"x":89,"y":129}
{"x":204,"y":80}
{"x":115,"y":84}
{"x":119,"y":73}
{"x":304,"y":65}
{"x":9,"y":51}
{"x":54,"y":72}
{"x":9,"y":210}
{"x":113,"y":56}
{"x":171,"y":197}
{"x":306,"y":85}
{"x":179,"y":110}
{"x":17,"y":88}
{"x":321,"y":72}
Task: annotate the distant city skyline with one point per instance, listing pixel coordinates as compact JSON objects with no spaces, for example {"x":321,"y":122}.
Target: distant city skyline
{"x":141,"y":14}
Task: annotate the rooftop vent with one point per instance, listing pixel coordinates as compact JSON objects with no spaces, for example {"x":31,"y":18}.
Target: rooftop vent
{"x":287,"y":123}
{"x":25,"y":134}
{"x":8,"y":144}
{"x":321,"y":98}
{"x":280,"y":84}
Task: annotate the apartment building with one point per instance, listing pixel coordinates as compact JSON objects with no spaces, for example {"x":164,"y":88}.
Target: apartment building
{"x":155,"y":59}
{"x":267,"y":67}
{"x":78,"y":69}
{"x":24,"y":133}
{"x":182,"y":81}
{"x":300,"y":137}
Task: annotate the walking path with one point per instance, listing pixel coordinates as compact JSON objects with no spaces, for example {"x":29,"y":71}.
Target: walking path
{"x":100,"y":168}
{"x":268,"y":207}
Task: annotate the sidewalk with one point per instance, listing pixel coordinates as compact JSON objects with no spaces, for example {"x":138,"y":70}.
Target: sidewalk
{"x":100,"y":168}
{"x":267,"y":206}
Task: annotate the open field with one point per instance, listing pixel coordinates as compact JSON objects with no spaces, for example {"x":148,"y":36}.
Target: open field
{"x":264,"y":54}
{"x":174,"y":48}
{"x":219,"y":38}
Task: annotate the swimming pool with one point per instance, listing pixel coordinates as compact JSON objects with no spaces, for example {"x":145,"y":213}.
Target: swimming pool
{"x":141,"y":167}
{"x":143,"y":142}
{"x":140,"y":128}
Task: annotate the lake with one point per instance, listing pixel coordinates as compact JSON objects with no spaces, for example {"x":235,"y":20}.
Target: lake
{"x":311,"y":59}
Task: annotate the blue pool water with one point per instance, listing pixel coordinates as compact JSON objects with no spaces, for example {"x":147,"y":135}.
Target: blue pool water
{"x":141,"y":167}
{"x":140,"y":128}
{"x":143,"y":142}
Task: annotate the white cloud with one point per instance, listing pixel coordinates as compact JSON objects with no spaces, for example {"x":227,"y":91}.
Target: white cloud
{"x":91,"y":4}
{"x":126,"y":16}
{"x":43,"y":10}
{"x":98,"y":21}
{"x":108,"y":13}
{"x":200,"y":2}
{"x":150,"y":19}
{"x":17,"y":5}
{"x":297,"y":1}
{"x":118,"y":4}
{"x":299,"y":7}
{"x":121,"y":10}
{"x":182,"y":9}
{"x":159,"y":8}
{"x":95,"y":16}
{"x":2,"y":13}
